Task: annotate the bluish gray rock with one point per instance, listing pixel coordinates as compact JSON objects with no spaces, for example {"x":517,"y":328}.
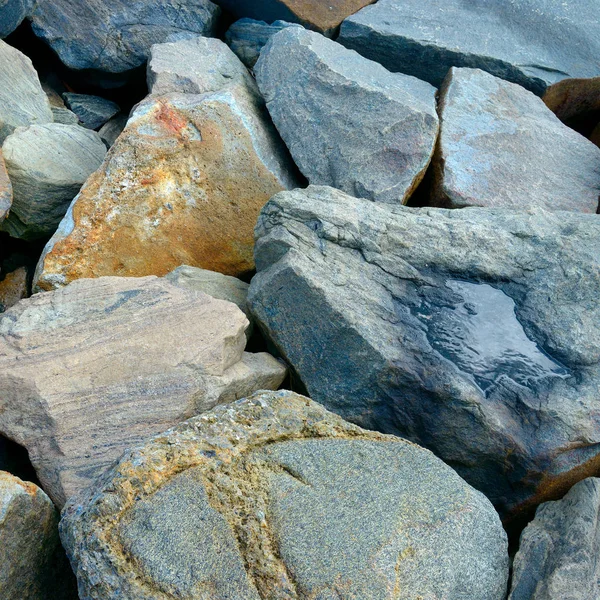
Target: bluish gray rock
{"x":12,"y":13}
{"x":110,"y":131}
{"x":248,"y":37}
{"x":274,"y":497}
{"x":551,"y":48}
{"x":117,"y":36}
{"x":348,"y":122}
{"x":92,"y":111}
{"x":475,"y":333}
{"x":558,"y":558}
{"x":500,"y":145}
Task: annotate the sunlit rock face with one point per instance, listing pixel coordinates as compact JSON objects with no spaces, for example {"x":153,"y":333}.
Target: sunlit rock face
{"x":472,"y":332}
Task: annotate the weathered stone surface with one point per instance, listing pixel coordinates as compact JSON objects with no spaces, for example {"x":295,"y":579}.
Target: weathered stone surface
{"x":247,"y":37}
{"x":117,"y":37}
{"x":32,"y":562}
{"x":501,"y":146}
{"x":12,"y":13}
{"x":92,"y":111}
{"x":558,"y":556}
{"x":183,"y":184}
{"x":551,"y":48}
{"x":6,"y":193}
{"x":347,"y":121}
{"x":109,"y":132}
{"x":100,"y":365}
{"x":472,"y":332}
{"x":314,"y":14}
{"x":47,"y":165}
{"x":274,"y":497}
{"x":60,"y":112}
{"x":13,"y":287}
{"x":22,"y":99}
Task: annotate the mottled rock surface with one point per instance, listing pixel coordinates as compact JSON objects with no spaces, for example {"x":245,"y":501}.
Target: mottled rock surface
{"x":98,"y":366}
{"x":32,"y":562}
{"x":472,"y":332}
{"x":274,"y":497}
{"x":558,"y":558}
{"x":551,"y":48}
{"x":348,"y":122}
{"x":6,"y":193}
{"x":22,"y":99}
{"x":12,"y":13}
{"x":183,"y":184}
{"x":92,"y":111}
{"x":47,"y":165}
{"x":501,"y":146}
{"x":13,"y":287}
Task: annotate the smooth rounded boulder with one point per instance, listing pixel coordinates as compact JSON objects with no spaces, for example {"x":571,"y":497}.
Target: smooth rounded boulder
{"x":274,"y":497}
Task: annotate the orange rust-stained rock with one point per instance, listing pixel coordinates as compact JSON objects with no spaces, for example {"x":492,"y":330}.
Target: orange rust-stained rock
{"x":183,"y":184}
{"x":13,"y":288}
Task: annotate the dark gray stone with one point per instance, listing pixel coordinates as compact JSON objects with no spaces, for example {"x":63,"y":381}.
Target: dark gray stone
{"x":347,"y":121}
{"x":110,"y":131}
{"x":12,"y":13}
{"x":551,"y":48}
{"x":248,"y":37}
{"x":117,"y":36}
{"x":500,"y":145}
{"x":274,"y":497}
{"x":92,"y":111}
{"x":475,"y":333}
{"x":559,"y":554}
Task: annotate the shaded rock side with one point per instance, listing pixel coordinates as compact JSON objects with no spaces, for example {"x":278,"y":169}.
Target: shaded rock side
{"x":550,"y":48}
{"x":501,"y":146}
{"x":348,"y":122}
{"x":558,"y":555}
{"x":274,"y":497}
{"x":92,"y":111}
{"x":183,"y":184}
{"x":13,"y":287}
{"x":12,"y":13}
{"x":472,"y":332}
{"x":6,"y":193}
{"x":98,"y":366}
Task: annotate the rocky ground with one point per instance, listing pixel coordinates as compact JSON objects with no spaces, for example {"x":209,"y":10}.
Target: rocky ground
{"x":250,"y":348}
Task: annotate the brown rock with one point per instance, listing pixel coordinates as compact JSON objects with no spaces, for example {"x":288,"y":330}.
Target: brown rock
{"x":13,"y":288}
{"x":183,"y":184}
{"x":100,"y":365}
{"x":5,"y":190}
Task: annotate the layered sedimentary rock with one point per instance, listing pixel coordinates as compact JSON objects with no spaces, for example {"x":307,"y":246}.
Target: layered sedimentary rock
{"x":6,"y":193}
{"x":92,"y":111}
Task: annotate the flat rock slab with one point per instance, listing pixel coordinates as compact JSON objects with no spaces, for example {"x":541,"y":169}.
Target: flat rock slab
{"x":117,"y":37}
{"x":47,"y":165}
{"x":274,"y":497}
{"x":92,"y":111}
{"x":551,"y":48}
{"x":98,"y":366}
{"x":12,"y":13}
{"x":558,"y":554}
{"x":501,"y":146}
{"x":33,"y":565}
{"x":472,"y":332}
{"x":22,"y":99}
{"x":348,"y":122}
{"x":314,"y":14}
{"x":6,"y":193}
{"x":183,"y":184}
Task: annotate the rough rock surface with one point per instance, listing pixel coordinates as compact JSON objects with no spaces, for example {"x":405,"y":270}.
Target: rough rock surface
{"x":6,"y":193}
{"x":183,"y":184}
{"x":231,"y":503}
{"x":558,"y":558}
{"x":110,"y":131}
{"x":92,"y":111}
{"x":117,"y":36}
{"x":22,"y":99}
{"x":32,"y":562}
{"x":314,"y":14}
{"x":348,"y":122}
{"x":13,"y":287}
{"x":47,"y":165}
{"x":472,"y":332}
{"x":98,"y":366}
{"x":60,"y":112}
{"x":12,"y":13}
{"x":501,"y":146}
{"x":551,"y":48}
{"x":247,"y":37}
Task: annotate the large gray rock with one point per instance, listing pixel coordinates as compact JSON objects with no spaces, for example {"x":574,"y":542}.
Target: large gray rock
{"x":98,"y":366}
{"x":501,"y":146}
{"x":347,"y":121}
{"x":33,"y":565}
{"x":551,"y":48}
{"x":117,"y":36}
{"x":92,"y":111}
{"x":47,"y":165}
{"x":274,"y":497}
{"x":5,"y":189}
{"x":475,"y":333}
{"x":12,"y":13}
{"x":22,"y":99}
{"x":558,"y":558}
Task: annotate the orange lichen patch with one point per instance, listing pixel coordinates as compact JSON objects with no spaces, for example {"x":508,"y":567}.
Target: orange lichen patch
{"x":6,"y":479}
{"x":570,"y":98}
{"x":173,"y":121}
{"x":5,"y":190}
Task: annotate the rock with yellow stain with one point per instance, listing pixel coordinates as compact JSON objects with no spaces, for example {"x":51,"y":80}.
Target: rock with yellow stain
{"x":183,"y":184}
